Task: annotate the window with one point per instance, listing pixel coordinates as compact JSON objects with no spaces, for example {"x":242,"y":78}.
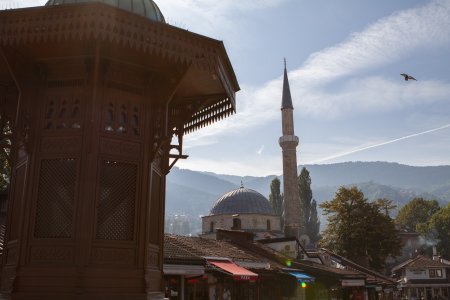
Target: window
{"x":236,"y":223}
{"x":211,"y":227}
{"x":268,"y":224}
{"x":435,"y":273}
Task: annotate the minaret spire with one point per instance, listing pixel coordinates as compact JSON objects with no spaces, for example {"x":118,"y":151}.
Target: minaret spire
{"x":286,"y":101}
{"x":288,"y":143}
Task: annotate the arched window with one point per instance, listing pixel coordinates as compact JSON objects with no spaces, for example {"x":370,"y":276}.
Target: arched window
{"x":211,"y":227}
{"x":268,"y":225}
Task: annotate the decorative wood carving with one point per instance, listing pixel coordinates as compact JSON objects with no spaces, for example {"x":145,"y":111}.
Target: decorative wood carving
{"x":116,"y":209}
{"x":63,"y":113}
{"x":102,"y":92}
{"x":120,"y":148}
{"x":121,"y":117}
{"x":113,"y":256}
{"x":51,"y":254}
{"x":61,"y":145}
{"x":105,"y":23}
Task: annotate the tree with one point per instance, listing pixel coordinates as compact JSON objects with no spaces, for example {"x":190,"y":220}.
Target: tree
{"x":439,"y":230}
{"x":313,"y":226}
{"x":416,"y":214}
{"x":308,"y":213}
{"x":359,"y":230}
{"x":276,"y":198}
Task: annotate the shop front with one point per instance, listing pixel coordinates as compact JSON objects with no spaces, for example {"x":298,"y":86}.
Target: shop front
{"x":229,"y":281}
{"x":183,"y":281}
{"x":354,"y":289}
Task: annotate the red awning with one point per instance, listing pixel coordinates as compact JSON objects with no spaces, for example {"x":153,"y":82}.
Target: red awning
{"x":238,"y":273}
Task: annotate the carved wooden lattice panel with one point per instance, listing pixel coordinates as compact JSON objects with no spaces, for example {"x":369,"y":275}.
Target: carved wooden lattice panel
{"x":63,"y":113}
{"x":122,"y":118}
{"x":56,"y":197}
{"x":116,"y":207}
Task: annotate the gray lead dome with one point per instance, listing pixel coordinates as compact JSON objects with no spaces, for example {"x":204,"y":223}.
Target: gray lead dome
{"x":146,"y":8}
{"x":242,"y":201}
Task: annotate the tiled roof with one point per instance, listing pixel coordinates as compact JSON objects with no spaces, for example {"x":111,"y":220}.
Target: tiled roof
{"x":310,"y":266}
{"x":372,"y":276}
{"x":176,"y":252}
{"x":314,"y":267}
{"x":419,"y":262}
{"x":182,"y":249}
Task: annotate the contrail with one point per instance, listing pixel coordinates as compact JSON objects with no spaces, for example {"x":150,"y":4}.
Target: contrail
{"x":380,"y":144}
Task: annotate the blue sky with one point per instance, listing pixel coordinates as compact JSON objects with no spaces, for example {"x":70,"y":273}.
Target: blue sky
{"x":344,"y":59}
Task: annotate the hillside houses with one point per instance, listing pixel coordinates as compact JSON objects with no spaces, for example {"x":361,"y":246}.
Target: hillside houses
{"x":423,"y":278}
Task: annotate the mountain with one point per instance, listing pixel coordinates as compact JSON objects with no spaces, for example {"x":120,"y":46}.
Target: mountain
{"x":393,"y":174}
{"x":193,"y":193}
{"x":201,"y":181}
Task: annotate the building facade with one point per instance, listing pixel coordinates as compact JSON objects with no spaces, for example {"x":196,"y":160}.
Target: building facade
{"x":98,"y":95}
{"x":423,"y":278}
{"x":242,"y":209}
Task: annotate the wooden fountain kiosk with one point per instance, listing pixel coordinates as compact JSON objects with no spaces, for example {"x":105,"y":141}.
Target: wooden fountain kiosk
{"x":98,"y":97}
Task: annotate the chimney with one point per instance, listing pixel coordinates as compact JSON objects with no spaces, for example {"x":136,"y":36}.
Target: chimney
{"x":435,"y":254}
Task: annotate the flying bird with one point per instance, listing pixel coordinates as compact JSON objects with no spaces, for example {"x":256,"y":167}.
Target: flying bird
{"x":408,"y":77}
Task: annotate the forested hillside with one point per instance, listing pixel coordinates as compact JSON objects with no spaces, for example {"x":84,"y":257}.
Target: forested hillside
{"x":193,"y":193}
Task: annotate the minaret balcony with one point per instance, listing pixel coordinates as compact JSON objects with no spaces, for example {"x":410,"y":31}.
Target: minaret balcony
{"x":288,"y":139}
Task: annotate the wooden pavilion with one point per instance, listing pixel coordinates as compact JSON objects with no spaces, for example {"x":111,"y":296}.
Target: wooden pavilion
{"x":95,"y":99}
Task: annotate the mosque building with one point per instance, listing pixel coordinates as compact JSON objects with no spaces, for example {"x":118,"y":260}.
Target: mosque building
{"x":242,"y":209}
{"x":247,"y":210}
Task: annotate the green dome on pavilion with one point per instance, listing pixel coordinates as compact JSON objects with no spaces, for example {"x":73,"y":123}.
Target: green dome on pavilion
{"x":146,"y":8}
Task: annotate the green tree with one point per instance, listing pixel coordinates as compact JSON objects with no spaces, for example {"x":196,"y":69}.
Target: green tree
{"x":313,"y":226}
{"x":359,"y":230}
{"x":416,"y":214}
{"x":439,"y":230}
{"x":308,"y":206}
{"x":276,"y":198}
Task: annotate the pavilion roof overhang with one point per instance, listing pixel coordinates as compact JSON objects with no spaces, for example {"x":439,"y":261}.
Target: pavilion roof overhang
{"x":41,"y":32}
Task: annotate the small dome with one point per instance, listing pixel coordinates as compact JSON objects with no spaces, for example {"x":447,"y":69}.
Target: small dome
{"x":146,"y":8}
{"x":242,"y":201}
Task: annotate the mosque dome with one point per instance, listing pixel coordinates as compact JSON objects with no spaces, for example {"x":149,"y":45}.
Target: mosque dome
{"x":242,"y":201}
{"x":146,"y":8}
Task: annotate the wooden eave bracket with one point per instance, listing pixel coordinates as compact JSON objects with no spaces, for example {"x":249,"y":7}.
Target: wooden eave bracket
{"x":179,"y":155}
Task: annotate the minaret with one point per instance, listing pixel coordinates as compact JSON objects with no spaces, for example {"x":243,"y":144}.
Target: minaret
{"x":288,"y":143}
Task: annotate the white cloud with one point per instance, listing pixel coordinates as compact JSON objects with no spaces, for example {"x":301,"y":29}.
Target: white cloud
{"x":261,"y":166}
{"x":13,"y":4}
{"x":370,"y":94}
{"x":210,"y":16}
{"x":382,"y":43}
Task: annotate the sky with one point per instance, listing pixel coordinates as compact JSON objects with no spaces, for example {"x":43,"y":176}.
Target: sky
{"x":344,"y":60}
